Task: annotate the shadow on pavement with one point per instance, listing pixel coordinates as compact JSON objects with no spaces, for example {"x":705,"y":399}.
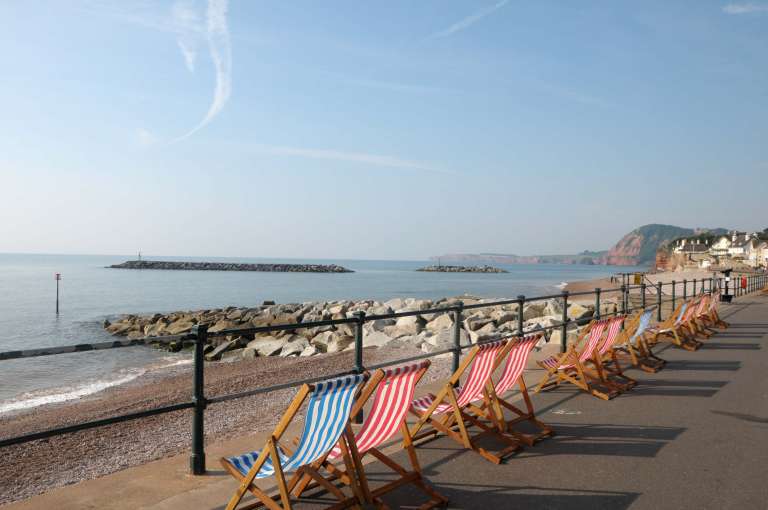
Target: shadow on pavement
{"x":742,"y":416}
{"x":701,"y":365}
{"x":668,"y":388}
{"x":733,"y":345}
{"x":487,"y":497}
{"x":608,"y":440}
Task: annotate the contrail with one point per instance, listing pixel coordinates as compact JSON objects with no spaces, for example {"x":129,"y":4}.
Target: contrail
{"x":221,"y":55}
{"x":469,"y":20}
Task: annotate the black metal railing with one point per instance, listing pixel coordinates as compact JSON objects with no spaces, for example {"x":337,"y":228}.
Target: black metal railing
{"x":199,"y":335}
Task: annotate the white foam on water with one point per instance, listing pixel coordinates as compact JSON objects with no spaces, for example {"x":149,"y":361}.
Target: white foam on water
{"x":562,"y":285}
{"x":58,"y":395}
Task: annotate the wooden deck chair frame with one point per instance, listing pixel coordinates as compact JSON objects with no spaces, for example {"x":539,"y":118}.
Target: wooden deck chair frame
{"x":696,"y":325}
{"x":671,"y":328}
{"x":272,"y":453}
{"x":636,"y":348}
{"x":569,"y":367}
{"x":516,"y":356}
{"x":606,"y":360}
{"x":446,"y":415}
{"x":405,"y":476}
{"x":712,"y":318}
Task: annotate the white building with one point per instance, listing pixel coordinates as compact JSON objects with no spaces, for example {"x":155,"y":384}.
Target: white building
{"x":720,"y":246}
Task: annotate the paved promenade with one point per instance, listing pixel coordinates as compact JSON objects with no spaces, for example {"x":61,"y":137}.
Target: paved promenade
{"x":694,"y":435}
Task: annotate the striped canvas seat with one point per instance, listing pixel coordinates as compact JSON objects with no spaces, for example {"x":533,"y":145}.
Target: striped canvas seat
{"x":472,"y":390}
{"x":614,"y":327}
{"x":452,"y":412}
{"x":515,"y":364}
{"x":392,"y":392}
{"x":595,"y":333}
{"x":390,"y":404}
{"x":642,"y":326}
{"x":571,"y":366}
{"x":678,"y":321}
{"x":327,"y":415}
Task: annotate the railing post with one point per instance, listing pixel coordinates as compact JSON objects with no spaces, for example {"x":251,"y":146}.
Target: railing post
{"x":694,"y":286}
{"x":597,"y":303}
{"x":623,"y":299}
{"x":642,"y":294}
{"x":359,"y":368}
{"x":658,"y":301}
{"x":457,"y":335}
{"x":674,"y":288}
{"x":685,"y":289}
{"x":520,"y":306}
{"x":197,"y":459}
{"x":564,"y":340}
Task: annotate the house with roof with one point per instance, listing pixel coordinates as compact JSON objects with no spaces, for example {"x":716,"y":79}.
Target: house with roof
{"x":720,"y":246}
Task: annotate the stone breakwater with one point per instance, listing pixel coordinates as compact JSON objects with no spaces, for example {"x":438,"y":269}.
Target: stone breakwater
{"x":429,"y":332}
{"x":462,"y":269}
{"x":231,"y":266}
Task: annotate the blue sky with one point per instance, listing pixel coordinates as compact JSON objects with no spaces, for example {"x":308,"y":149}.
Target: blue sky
{"x":377,"y":130}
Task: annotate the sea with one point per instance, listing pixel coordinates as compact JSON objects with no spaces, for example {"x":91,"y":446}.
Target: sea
{"x":90,"y":292}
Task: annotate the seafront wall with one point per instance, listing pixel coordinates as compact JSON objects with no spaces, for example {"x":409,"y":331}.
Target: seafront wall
{"x":429,"y":332}
{"x":231,"y":266}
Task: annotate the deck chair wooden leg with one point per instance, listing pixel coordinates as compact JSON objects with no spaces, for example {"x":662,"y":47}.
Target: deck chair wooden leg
{"x":354,"y":466}
{"x":459,"y":421}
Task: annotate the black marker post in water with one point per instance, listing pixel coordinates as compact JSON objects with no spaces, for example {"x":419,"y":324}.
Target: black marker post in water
{"x":58,"y":279}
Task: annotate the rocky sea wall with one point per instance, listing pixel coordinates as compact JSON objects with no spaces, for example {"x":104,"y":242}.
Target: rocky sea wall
{"x":231,"y":266}
{"x":428,"y":331}
{"x":462,"y":269}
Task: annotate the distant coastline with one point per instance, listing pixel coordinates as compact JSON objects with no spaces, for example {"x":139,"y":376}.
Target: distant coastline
{"x":230,"y":266}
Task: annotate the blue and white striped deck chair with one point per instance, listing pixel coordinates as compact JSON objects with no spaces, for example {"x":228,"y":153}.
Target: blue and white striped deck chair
{"x":326,"y":424}
{"x":637,"y":348}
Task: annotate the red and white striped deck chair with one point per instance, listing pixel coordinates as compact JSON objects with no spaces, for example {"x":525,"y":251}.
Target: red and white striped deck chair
{"x":675,"y":328}
{"x":696,"y":325}
{"x":569,"y":366}
{"x":606,"y":362}
{"x":449,"y":409}
{"x":394,"y":389}
{"x":712,"y":318}
{"x":519,"y":351}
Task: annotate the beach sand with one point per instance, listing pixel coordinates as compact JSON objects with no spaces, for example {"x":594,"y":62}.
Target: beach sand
{"x":36,"y":467}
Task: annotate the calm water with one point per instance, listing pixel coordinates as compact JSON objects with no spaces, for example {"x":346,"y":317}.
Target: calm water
{"x":90,"y":293}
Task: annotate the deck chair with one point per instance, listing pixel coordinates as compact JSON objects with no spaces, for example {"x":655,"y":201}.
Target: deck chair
{"x":672,"y":328}
{"x":570,"y":366}
{"x":392,"y":391}
{"x":607,"y":369}
{"x":636,"y":348}
{"x":519,"y":350}
{"x":712,"y":318}
{"x":326,"y":424}
{"x":448,"y":411}
{"x":695,"y":325}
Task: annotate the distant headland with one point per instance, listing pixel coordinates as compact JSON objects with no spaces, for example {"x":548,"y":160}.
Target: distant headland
{"x":461,"y":269}
{"x":231,"y":266}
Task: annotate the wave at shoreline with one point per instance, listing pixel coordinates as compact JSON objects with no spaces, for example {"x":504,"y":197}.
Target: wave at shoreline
{"x":59,"y":395}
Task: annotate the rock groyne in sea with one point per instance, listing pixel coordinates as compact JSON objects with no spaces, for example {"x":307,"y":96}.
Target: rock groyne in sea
{"x":429,"y":332}
{"x":461,"y":269}
{"x":231,"y":266}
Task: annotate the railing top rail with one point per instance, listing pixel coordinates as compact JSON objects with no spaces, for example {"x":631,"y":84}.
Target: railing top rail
{"x":66,"y":349}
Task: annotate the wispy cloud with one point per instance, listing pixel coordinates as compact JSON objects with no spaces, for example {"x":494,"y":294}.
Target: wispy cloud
{"x":354,"y":157}
{"x":745,"y":8}
{"x":189,"y":30}
{"x":220,"y":48}
{"x":469,"y":20}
